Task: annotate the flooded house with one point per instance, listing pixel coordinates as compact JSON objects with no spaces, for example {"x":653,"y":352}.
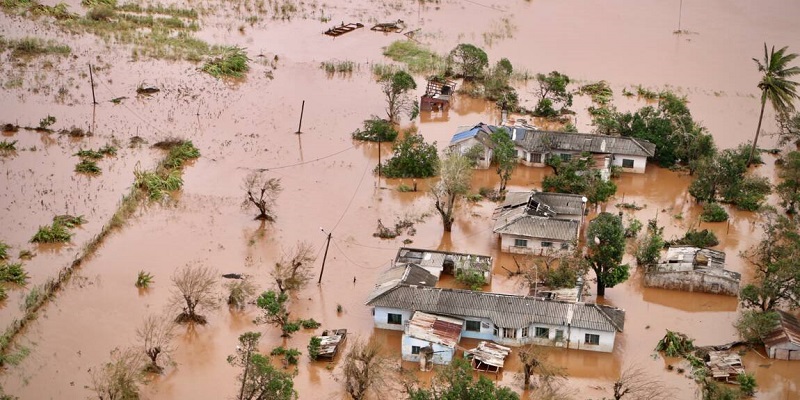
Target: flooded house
{"x":479,"y":135}
{"x":535,"y":146}
{"x":783,"y":343}
{"x":693,"y":269}
{"x":437,"y":95}
{"x":438,"y":262}
{"x":510,"y":320}
{"x":539,"y":223}
{"x":431,"y":337}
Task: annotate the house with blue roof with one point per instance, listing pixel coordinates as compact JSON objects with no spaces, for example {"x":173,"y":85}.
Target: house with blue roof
{"x":478,"y":135}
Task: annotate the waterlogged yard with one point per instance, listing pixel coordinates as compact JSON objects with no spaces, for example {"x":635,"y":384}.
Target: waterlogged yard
{"x":165,"y":226}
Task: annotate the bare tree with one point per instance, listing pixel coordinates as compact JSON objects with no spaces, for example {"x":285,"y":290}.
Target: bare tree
{"x":239,"y":290}
{"x":635,"y":384}
{"x":155,"y":337}
{"x":195,"y":290}
{"x":455,"y":173}
{"x":262,"y":193}
{"x":293,"y":271}
{"x":535,"y":361}
{"x":119,"y":378}
{"x":365,"y":369}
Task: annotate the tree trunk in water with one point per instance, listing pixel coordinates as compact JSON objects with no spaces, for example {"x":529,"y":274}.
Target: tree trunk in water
{"x":758,"y":130}
{"x":448,"y":223}
{"x":601,"y":287}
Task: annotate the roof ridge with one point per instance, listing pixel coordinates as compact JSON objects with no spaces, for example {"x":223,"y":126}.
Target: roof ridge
{"x":599,"y":308}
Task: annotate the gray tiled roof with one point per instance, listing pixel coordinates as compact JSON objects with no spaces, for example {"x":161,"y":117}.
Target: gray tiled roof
{"x":560,"y":203}
{"x":508,"y":311}
{"x":518,"y":222}
{"x":541,"y":141}
{"x":409,"y":274}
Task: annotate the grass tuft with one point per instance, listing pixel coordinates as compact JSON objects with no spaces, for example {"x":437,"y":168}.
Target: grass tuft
{"x":418,"y":58}
{"x":143,"y":280}
{"x":55,"y":233}
{"x":230,"y":62}
{"x":13,"y":273}
{"x":87,"y":166}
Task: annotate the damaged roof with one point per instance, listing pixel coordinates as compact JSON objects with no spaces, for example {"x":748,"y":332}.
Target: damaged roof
{"x":480,"y":132}
{"x":787,"y":331}
{"x":519,"y":222}
{"x":690,"y":258}
{"x":403,"y":274}
{"x":508,"y":311}
{"x":437,"y":329}
{"x":556,"y":203}
{"x":490,"y":353}
{"x":536,"y":141}
{"x":436,"y":259}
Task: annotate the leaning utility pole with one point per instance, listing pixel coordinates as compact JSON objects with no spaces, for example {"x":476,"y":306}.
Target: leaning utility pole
{"x":324,"y":257}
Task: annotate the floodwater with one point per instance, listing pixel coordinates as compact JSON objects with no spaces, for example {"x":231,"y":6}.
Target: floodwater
{"x":328,"y":180}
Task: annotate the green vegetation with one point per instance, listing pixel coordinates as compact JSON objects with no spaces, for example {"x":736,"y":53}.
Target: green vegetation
{"x":396,"y":88}
{"x":553,"y":89}
{"x":6,"y":146}
{"x":473,"y":280}
{"x":468,"y":61}
{"x":789,"y":188}
{"x":713,"y":212}
{"x":46,"y":122}
{"x":417,"y":58}
{"x":4,"y":251}
{"x":455,"y":176}
{"x":649,"y":245}
{"x":33,"y":46}
{"x":259,"y":379}
{"x":13,"y":273}
{"x":693,"y":237}
{"x":675,"y":344}
{"x":55,"y":233}
{"x":747,"y":384}
{"x":156,"y":184}
{"x":723,"y":178}
{"x":505,"y":156}
{"x":87,"y":167}
{"x":179,"y":154}
{"x":600,"y":92}
{"x":229,"y":62}
{"x":456,"y":381}
{"x":143,"y":280}
{"x":578,"y":176}
{"x":412,"y":158}
{"x":309,"y":323}
{"x":342,"y":67}
{"x":606,"y":246}
{"x":89,"y":154}
{"x":290,"y":356}
{"x":314,"y":345}
{"x":754,"y":325}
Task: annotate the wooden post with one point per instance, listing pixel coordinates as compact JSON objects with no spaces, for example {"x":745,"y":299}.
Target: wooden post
{"x":379,"y":162}
{"x":302,"y":108}
{"x":324,"y":257}
{"x":91,"y":79}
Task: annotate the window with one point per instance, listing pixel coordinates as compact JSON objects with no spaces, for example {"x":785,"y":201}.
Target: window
{"x":536,"y":158}
{"x":592,"y":339}
{"x":473,"y":326}
{"x":547,"y":244}
{"x":415,"y":349}
{"x":496,"y":330}
{"x":559,"y":335}
{"x":520,"y":243}
{"x":565,"y":157}
{"x":564,"y":246}
{"x":543,"y":333}
{"x":524,"y":332}
{"x":627,"y":163}
{"x":395,"y":319}
{"x":509,"y":333}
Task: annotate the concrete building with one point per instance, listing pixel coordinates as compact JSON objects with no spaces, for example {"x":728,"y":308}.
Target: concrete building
{"x":431,"y":336}
{"x":783,"y":343}
{"x":693,"y":269}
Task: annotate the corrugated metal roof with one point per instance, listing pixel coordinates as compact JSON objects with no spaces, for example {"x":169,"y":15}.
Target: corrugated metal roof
{"x":445,"y":331}
{"x":542,"y":141}
{"x":408,"y":273}
{"x":559,"y":203}
{"x":787,"y":331}
{"x":518,"y":222}
{"x":507,"y":311}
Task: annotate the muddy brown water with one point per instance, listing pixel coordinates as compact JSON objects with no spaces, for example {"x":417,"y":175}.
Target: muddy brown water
{"x":328,"y":182}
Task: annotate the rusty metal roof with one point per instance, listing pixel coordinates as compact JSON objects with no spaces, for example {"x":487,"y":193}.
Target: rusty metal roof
{"x":445,"y":331}
{"x":787,"y":331}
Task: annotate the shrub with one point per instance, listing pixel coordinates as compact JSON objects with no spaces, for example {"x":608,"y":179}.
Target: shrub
{"x":704,"y":238}
{"x":157,"y":186}
{"x":474,"y":280}
{"x":55,"y":233}
{"x":69,"y":221}
{"x":376,"y":130}
{"x":5,"y":145}
{"x":309,"y":323}
{"x":747,"y":384}
{"x":87,"y":166}
{"x":412,"y":158}
{"x":89,"y":154}
{"x":13,"y":273}
{"x":231,"y":62}
{"x":45,"y":122}
{"x":100,"y":13}
{"x":4,"y":251}
{"x":144,"y":279}
{"x":313,"y":347}
{"x":713,"y":212}
{"x":179,"y":154}
{"x":3,"y":294}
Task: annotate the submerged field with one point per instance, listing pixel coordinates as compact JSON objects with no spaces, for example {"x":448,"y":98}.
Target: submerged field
{"x":248,"y":124}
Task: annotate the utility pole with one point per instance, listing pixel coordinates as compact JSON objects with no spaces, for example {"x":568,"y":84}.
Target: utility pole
{"x":379,"y":162}
{"x":91,"y":78}
{"x":324,"y":257}
{"x":302,"y":108}
{"x":680,"y":13}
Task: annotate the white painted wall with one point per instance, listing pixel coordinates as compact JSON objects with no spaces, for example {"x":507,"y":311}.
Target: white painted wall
{"x":441,"y":354}
{"x":639,"y":163}
{"x":381,"y":317}
{"x":534,"y":246}
{"x":463,"y":146}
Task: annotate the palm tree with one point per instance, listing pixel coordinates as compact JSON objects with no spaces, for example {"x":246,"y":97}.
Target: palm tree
{"x":775,"y":85}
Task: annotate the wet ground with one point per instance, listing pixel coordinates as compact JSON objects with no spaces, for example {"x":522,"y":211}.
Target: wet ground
{"x":328,"y":180}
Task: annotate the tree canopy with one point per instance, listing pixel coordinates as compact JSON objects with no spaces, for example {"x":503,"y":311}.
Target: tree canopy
{"x":468,"y":61}
{"x":578,"y":176}
{"x":606,"y":246}
{"x":412,"y":158}
{"x":505,"y":155}
{"x":723,"y":178}
{"x":455,"y":174}
{"x":789,"y":188}
{"x":455,"y":382}
{"x":552,"y":91}
{"x":395,"y":87}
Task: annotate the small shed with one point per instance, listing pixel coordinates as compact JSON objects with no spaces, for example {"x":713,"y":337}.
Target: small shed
{"x":783,"y":343}
{"x":331,"y":340}
{"x":724,"y":366}
{"x":437,"y":95}
{"x":488,"y":356}
{"x":431,"y":336}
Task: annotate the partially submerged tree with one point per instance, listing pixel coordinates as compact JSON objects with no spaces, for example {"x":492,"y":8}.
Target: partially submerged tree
{"x":578,"y":176}
{"x":754,"y":325}
{"x":635,"y":384}
{"x":293,"y":271}
{"x":789,"y":128}
{"x":395,"y":87}
{"x":376,"y":130}
{"x":412,"y":158}
{"x":239,"y":291}
{"x":365,"y":369}
{"x":455,"y":173}
{"x":276,"y":312}
{"x":723,"y":178}
{"x":155,"y":338}
{"x":455,"y":381}
{"x":259,"y":380}
{"x":469,"y":61}
{"x":606,"y":246}
{"x":505,"y":155}
{"x":777,"y":273}
{"x":552,"y":90}
{"x":262,"y":192}
{"x":195,"y":290}
{"x":789,"y":188}
{"x":776,"y":86}
{"x":120,"y":377}
{"x":535,"y":364}
{"x":649,"y":245}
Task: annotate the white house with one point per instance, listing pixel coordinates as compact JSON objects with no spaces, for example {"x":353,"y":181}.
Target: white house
{"x":535,"y":146}
{"x":506,"y":319}
{"x":468,"y":137}
{"x":445,"y":262}
{"x":433,"y":336}
{"x":539,"y":223}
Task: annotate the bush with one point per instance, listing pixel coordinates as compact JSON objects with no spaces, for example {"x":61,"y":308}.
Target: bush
{"x":157,"y":186}
{"x":412,"y":158}
{"x":55,"y":233}
{"x":4,"y":251}
{"x":180,"y":153}
{"x":100,"y":12}
{"x":87,"y":166}
{"x":231,"y":62}
{"x":5,"y":145}
{"x":376,"y":130}
{"x":704,"y":238}
{"x":13,"y":273}
{"x":69,"y":221}
{"x":313,"y":347}
{"x":713,"y":212}
{"x":747,"y":384}
{"x":143,"y":280}
{"x":309,"y":323}
{"x":474,"y":280}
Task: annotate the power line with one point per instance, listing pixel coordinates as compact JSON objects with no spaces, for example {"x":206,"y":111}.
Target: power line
{"x":353,"y":262}
{"x":304,"y":162}
{"x":366,"y":167}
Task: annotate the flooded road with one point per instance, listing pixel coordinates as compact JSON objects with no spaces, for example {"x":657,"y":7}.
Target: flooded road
{"x":328,"y":180}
